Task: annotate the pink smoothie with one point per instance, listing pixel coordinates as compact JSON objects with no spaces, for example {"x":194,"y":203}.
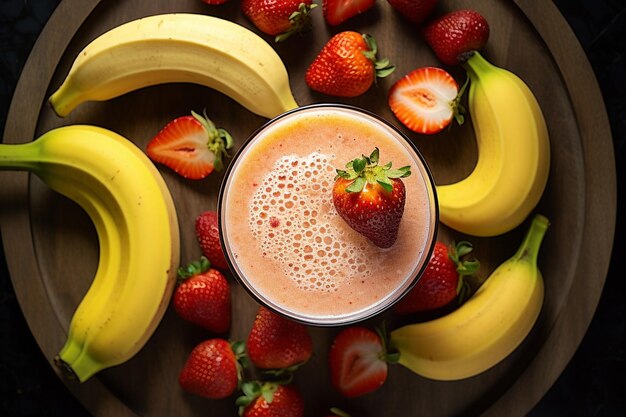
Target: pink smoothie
{"x":285,"y":239}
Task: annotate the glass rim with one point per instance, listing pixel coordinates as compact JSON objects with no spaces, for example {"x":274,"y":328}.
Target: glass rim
{"x":389,"y":299}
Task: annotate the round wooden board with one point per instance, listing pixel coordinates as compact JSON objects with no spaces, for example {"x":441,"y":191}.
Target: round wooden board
{"x":51,"y":247}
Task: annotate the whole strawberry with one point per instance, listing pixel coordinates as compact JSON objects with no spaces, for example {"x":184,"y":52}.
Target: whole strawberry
{"x":190,"y":145}
{"x":454,"y":36}
{"x":207,"y":233}
{"x":203,"y":297}
{"x":442,"y":281}
{"x":279,"y":18}
{"x":278,"y":343}
{"x":371,"y":197}
{"x":414,"y":10}
{"x":347,"y":66}
{"x":269,"y":399}
{"x":212,"y":369}
{"x":338,"y":11}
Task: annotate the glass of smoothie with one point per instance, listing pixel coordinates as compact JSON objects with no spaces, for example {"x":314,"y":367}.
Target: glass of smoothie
{"x":283,"y":238}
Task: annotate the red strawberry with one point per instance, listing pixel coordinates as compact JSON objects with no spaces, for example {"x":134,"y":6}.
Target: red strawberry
{"x":278,"y":343}
{"x":346,"y":66}
{"x":370,"y":198}
{"x":207,"y":233}
{"x":190,"y":145}
{"x":270,"y":399}
{"x":203,"y":297}
{"x":426,"y":99}
{"x":454,"y":36}
{"x":212,"y":369}
{"x":358,"y":361}
{"x":338,"y":11}
{"x":279,"y":18}
{"x":442,"y":281}
{"x":414,"y":10}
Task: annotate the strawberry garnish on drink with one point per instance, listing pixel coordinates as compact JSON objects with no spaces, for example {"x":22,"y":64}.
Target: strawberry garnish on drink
{"x":456,"y":35}
{"x":347,"y":65}
{"x":415,"y":11}
{"x":278,"y":343}
{"x":270,"y":399}
{"x":279,"y":18}
{"x":442,"y":281}
{"x":338,"y":11}
{"x":212,"y":369}
{"x":190,"y":145}
{"x":371,"y":197}
{"x":358,"y":361}
{"x":202,"y":296}
{"x":426,"y":100}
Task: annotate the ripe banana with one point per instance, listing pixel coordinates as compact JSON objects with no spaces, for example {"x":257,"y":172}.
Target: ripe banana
{"x":179,"y":47}
{"x":487,"y":327}
{"x":135,"y":220}
{"x":513,"y":155}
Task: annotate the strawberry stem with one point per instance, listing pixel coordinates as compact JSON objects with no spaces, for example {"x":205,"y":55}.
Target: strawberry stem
{"x":219,"y":140}
{"x":463,"y":267}
{"x":338,"y":412}
{"x":300,"y":22}
{"x":457,"y":107}
{"x":365,"y":170}
{"x":382,"y":67}
{"x":194,"y":268}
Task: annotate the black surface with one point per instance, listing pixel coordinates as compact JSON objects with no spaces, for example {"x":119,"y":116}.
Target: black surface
{"x":591,"y":385}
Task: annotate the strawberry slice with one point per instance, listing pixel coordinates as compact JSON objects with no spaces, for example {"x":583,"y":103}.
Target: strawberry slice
{"x":190,"y":145}
{"x":338,"y":11}
{"x":426,"y":100}
{"x":358,"y":361}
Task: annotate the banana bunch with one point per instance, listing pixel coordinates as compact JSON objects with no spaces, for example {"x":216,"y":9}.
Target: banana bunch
{"x":513,"y":155}
{"x":135,"y":219}
{"x":179,"y":48}
{"x":487,"y":327}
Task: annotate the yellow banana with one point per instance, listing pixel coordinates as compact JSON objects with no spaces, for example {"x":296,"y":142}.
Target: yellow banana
{"x":513,"y":155}
{"x":135,"y":220}
{"x":179,"y":47}
{"x":487,"y":327}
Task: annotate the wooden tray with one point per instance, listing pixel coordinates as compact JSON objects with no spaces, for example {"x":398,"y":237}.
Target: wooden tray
{"x":51,"y":246}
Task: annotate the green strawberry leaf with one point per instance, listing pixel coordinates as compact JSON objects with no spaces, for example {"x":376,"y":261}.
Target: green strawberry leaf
{"x":365,"y":170}
{"x":357,"y":185}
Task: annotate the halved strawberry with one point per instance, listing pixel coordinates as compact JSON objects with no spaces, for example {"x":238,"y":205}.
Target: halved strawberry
{"x":358,"y":361}
{"x":338,"y":11}
{"x":190,"y":145}
{"x":426,"y":100}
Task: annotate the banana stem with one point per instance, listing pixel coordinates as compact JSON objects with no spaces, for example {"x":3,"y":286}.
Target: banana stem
{"x":529,"y":248}
{"x":476,"y":65}
{"x":22,"y":156}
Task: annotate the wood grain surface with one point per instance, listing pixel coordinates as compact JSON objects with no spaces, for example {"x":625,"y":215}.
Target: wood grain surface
{"x":51,"y":247}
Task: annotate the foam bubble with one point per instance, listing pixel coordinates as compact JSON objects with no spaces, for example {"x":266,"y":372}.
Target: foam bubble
{"x":294,"y":220}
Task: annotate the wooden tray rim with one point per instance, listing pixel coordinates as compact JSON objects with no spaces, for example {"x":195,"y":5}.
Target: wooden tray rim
{"x":600,"y":189}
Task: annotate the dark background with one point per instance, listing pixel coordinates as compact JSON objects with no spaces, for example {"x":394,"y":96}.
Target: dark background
{"x":591,"y":385}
